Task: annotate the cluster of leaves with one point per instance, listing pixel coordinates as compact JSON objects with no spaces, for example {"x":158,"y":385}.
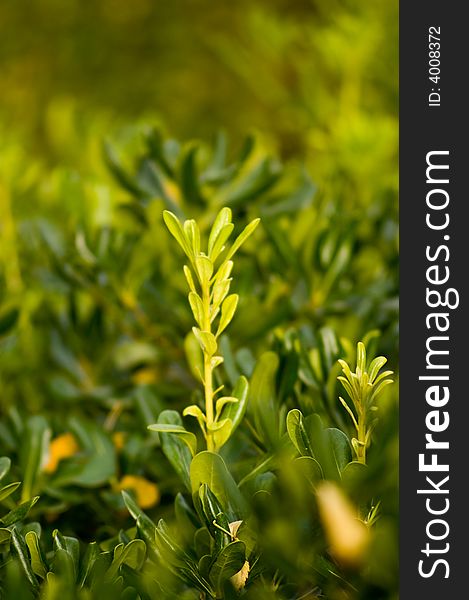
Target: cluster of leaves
{"x":97,"y":345}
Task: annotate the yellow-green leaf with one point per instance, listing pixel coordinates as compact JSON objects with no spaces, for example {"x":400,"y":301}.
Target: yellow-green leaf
{"x":195,"y":411}
{"x":37,"y":561}
{"x":197,"y":308}
{"x":224,"y":271}
{"x":186,"y":436}
{"x":221,"y":403}
{"x":192,"y":232}
{"x":189,"y":278}
{"x":223,"y":236}
{"x":228,"y":309}
{"x":220,"y":290}
{"x":204,"y":268}
{"x":206,"y":340}
{"x":223,"y":218}
{"x":216,"y":361}
{"x":242,"y":237}
{"x":175,"y":228}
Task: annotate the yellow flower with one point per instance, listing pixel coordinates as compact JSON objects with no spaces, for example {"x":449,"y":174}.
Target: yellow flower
{"x":347,"y":535}
{"x":63,"y":446}
{"x":118,"y":438}
{"x":144,"y":376}
{"x":147,"y":493}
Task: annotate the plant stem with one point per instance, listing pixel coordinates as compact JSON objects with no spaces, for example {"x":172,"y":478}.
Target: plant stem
{"x":362,"y":441}
{"x":208,"y":379}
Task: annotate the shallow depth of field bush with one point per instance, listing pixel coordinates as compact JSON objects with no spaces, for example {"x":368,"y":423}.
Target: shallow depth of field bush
{"x":198,"y":337}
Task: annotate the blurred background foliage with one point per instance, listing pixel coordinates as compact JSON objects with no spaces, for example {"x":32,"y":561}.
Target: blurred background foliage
{"x":295,"y":104}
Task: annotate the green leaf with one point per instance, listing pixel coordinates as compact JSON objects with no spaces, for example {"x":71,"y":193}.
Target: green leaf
{"x":5,"y":537}
{"x":158,"y":151}
{"x":186,"y":436}
{"x":132,"y":555}
{"x":71,"y":546}
{"x":263,"y":402}
{"x":222,"y":238}
{"x":204,"y":268}
{"x":223,"y":272}
{"x":176,"y":230}
{"x":194,"y":355}
{"x":38,"y":563}
{"x":195,"y":411}
{"x":19,"y":513}
{"x":221,"y":402}
{"x":189,"y":278}
{"x":116,"y":168}
{"x":150,"y":181}
{"x":185,"y":515}
{"x":216,"y":361}
{"x":176,"y":449}
{"x":145,"y":524}
{"x":97,"y":464}
{"x":189,"y":178}
{"x":179,"y":562}
{"x":22,"y":552}
{"x":229,"y":362}
{"x":202,"y":540}
{"x":33,"y":453}
{"x":91,"y":555}
{"x":210,"y":468}
{"x":235,"y":411}
{"x":221,"y":221}
{"x":221,"y":432}
{"x":5,"y":464}
{"x":8,"y":319}
{"x":228,"y":309}
{"x":257,"y":181}
{"x":220,"y":290}
{"x":376,"y":365}
{"x":310,"y":468}
{"x":322,"y":446}
{"x":229,"y":561}
{"x":361,"y":358}
{"x":63,"y":566}
{"x":341,"y":448}
{"x":9,"y":489}
{"x":297,"y":433}
{"x":353,"y":474}
{"x":206,"y":340}
{"x":197,"y":308}
{"x":192,"y":232}
{"x":242,"y":237}
{"x":208,"y":508}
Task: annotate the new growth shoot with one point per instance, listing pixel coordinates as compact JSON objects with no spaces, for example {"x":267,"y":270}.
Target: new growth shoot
{"x":208,"y":278}
{"x":363,"y":387}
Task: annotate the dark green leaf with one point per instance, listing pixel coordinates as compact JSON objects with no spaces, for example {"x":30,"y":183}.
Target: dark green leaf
{"x":229,"y":561}
{"x":5,"y":464}
{"x":21,"y":551}
{"x":19,"y":513}
{"x":297,"y":432}
{"x":174,"y":448}
{"x":8,"y":319}
{"x":210,"y":468}
{"x":189,"y":178}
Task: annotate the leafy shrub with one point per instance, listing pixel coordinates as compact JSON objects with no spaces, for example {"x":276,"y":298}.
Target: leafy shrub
{"x":98,"y":346}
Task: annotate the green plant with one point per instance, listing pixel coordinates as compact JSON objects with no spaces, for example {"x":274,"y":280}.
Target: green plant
{"x":208,"y":278}
{"x":363,"y":386}
{"x":102,"y":317}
